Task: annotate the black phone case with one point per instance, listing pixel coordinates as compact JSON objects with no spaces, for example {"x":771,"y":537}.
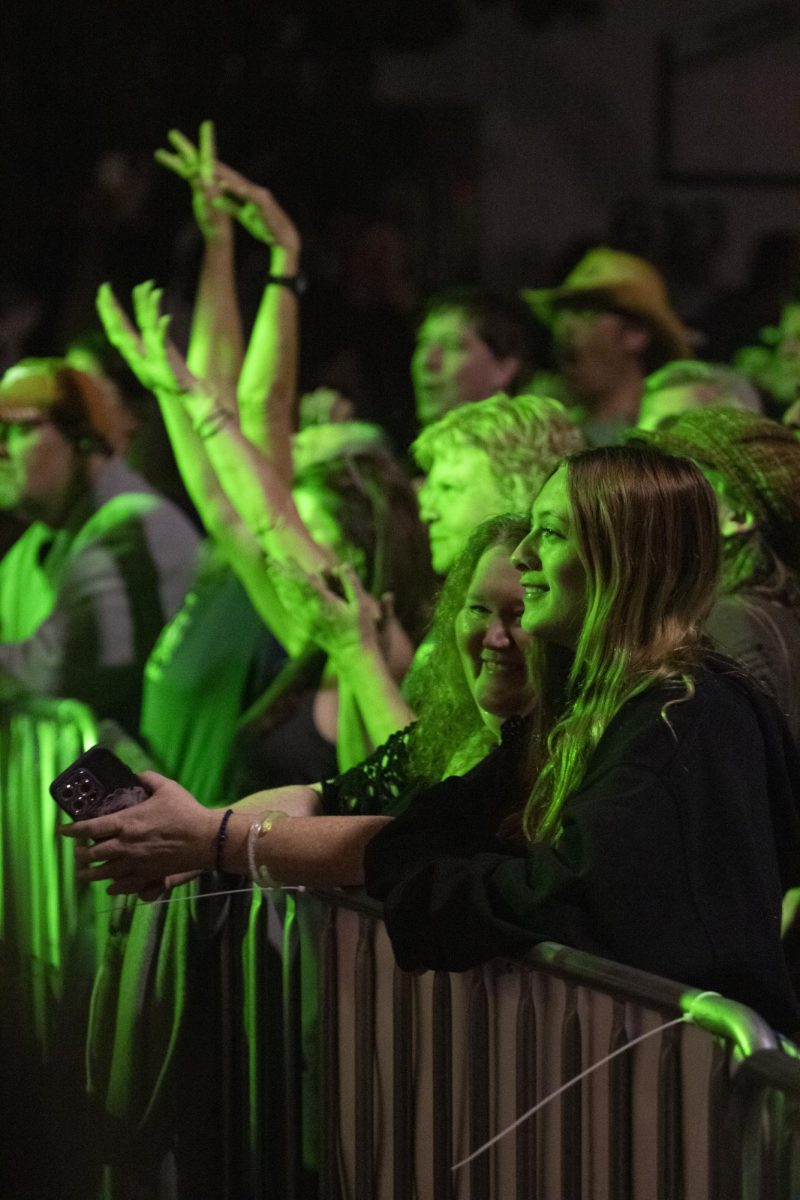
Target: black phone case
{"x":95,"y":784}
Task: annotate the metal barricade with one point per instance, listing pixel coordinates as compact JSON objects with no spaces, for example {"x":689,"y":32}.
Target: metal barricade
{"x":764,"y":1122}
{"x":41,"y":910}
{"x":420,"y":1070}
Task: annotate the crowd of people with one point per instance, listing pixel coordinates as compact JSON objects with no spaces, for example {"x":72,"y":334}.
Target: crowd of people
{"x":537,"y":679}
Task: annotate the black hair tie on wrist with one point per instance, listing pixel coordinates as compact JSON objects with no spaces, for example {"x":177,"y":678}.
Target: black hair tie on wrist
{"x":295,"y":283}
{"x":222,"y":834}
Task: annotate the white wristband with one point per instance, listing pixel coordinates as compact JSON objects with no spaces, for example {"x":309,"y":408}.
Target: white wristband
{"x":259,"y":873}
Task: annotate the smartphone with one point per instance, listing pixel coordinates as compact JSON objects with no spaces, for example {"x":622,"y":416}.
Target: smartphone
{"x":97,"y":783}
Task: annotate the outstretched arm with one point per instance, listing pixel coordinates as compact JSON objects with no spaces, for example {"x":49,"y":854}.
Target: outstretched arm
{"x":366,"y":645}
{"x":170,"y":834}
{"x":216,"y":344}
{"x":161,"y":369}
{"x":268,"y":381}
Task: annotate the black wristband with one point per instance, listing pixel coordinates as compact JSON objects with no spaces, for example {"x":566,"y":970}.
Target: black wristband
{"x":295,"y":283}
{"x":222,"y":834}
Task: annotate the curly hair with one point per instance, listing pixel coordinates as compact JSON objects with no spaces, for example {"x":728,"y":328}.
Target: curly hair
{"x":436,"y":687}
{"x":523,"y":436}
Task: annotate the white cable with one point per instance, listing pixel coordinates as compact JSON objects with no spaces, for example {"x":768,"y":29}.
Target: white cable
{"x":594,"y":1067}
{"x":207,"y":896}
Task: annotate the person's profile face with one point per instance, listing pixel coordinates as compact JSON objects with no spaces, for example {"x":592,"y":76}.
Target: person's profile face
{"x":552,"y":574}
{"x":452,"y":365}
{"x":459,"y":492}
{"x":492,"y":645}
{"x":37,"y":464}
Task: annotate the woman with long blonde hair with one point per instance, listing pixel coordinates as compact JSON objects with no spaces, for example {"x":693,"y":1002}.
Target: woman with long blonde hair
{"x":662,"y":827}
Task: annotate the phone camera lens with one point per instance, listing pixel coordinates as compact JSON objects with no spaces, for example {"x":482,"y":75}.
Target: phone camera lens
{"x":67,"y":791}
{"x":85,"y":785}
{"x":78,"y":804}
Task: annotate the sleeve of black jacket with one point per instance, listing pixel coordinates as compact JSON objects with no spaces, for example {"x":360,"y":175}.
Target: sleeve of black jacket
{"x":455,"y":896}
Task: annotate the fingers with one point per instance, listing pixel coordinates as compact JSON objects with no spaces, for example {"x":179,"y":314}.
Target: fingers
{"x":173,"y":881}
{"x":118,"y":328}
{"x":186,"y":149}
{"x":153,"y":780}
{"x":351,"y":584}
{"x":151,"y":891}
{"x":97,"y":829}
{"x":174,"y":163}
{"x":207,"y":152}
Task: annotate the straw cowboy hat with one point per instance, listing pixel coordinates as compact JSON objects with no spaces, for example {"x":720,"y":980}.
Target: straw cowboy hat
{"x":621,"y":283}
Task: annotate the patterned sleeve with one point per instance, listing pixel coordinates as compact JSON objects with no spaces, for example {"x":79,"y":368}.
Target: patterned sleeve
{"x":382,"y":785}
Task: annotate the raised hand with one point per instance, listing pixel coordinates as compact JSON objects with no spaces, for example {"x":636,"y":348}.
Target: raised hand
{"x":148,"y":351}
{"x":335,"y":610}
{"x":198,"y":166}
{"x":256,"y":209}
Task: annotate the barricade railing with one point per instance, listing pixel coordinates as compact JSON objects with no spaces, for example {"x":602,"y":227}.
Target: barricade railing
{"x":41,"y":910}
{"x":418,"y":1071}
{"x":764,"y":1120}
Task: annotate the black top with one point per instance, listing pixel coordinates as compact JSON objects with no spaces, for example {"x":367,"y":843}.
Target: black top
{"x":674,"y":854}
{"x":382,"y":784}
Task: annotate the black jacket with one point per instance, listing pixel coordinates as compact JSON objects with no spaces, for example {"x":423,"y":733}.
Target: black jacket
{"x":674,"y":854}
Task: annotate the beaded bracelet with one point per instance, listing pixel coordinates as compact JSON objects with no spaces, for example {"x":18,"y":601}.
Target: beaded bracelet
{"x":222,"y":834}
{"x":258,"y":872}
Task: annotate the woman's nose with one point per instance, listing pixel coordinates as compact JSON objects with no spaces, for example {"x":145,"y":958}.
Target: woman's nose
{"x":525,"y":556}
{"x":496,"y":636}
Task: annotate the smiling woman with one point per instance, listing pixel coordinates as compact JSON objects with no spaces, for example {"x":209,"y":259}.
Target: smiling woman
{"x":553,"y":575}
{"x":663,"y":822}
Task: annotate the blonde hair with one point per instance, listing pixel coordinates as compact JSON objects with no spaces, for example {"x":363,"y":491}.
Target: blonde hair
{"x":523,"y":436}
{"x":648,"y":537}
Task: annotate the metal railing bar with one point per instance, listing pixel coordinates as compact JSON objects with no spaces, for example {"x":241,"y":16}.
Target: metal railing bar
{"x":293,"y":1049}
{"x":364,"y":1058}
{"x":402,"y":1085}
{"x":620,"y":1142}
{"x":739,"y":1024}
{"x":329,"y":1063}
{"x":478,"y":1081}
{"x":442,"y":1087}
{"x":526,"y":1088}
{"x":670,"y":1140}
{"x":571,"y":1101}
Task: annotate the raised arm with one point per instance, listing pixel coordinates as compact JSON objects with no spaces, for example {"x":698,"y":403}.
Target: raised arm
{"x":161,"y":369}
{"x":367,"y":647}
{"x":216,"y":344}
{"x":267,"y":386}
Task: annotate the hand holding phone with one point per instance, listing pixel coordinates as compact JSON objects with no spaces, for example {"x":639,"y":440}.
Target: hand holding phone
{"x":97,"y":783}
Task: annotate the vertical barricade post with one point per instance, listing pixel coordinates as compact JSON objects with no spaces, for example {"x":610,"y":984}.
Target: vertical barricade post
{"x":329,"y":1062}
{"x":364,"y":1058}
{"x":402,"y":1085}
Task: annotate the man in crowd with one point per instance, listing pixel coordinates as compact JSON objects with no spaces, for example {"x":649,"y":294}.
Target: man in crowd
{"x":484,"y":459}
{"x":470,"y":345}
{"x":686,"y":384}
{"x":612,"y":324}
{"x":106,"y":560}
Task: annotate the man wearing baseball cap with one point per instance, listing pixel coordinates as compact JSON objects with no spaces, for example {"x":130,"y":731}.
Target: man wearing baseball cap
{"x":106,"y":560}
{"x":612,"y":325}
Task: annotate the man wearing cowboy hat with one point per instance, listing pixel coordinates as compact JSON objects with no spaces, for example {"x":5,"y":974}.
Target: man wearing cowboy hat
{"x":612,"y":324}
{"x":106,"y":561}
